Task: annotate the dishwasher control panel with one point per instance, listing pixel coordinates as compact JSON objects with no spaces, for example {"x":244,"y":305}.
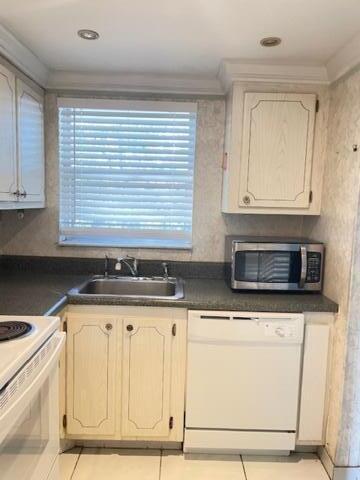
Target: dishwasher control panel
{"x":240,"y":327}
{"x":280,"y":329}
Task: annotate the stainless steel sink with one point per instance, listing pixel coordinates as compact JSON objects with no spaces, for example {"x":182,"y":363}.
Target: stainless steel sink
{"x":132,"y":287}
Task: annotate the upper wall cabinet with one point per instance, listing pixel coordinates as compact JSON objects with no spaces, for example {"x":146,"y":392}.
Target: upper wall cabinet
{"x":8,"y":175}
{"x":269,"y":166}
{"x":30,"y":121}
{"x":21,"y":144}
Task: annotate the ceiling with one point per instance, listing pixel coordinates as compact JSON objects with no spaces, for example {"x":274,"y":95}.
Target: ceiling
{"x":183,"y":37}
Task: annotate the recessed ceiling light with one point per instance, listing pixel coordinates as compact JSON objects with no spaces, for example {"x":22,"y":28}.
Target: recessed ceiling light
{"x":270,"y":41}
{"x":88,"y":34}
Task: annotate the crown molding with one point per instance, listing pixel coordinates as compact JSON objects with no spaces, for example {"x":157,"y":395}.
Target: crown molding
{"x":126,"y":82}
{"x":236,"y":70}
{"x":231,"y":70}
{"x":347,"y":58}
{"x":23,"y":58}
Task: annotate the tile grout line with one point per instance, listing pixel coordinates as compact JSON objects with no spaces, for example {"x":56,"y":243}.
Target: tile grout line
{"x":160,"y":465}
{"x":76,"y":463}
{"x":243,"y":466}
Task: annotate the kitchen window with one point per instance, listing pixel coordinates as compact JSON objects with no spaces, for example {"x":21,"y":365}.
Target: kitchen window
{"x":126,"y":173}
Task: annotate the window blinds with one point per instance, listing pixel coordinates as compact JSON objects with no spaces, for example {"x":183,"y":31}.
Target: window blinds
{"x":126,"y":173}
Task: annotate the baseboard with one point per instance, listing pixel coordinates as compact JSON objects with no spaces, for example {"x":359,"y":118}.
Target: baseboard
{"x":129,"y":444}
{"x":346,"y":473}
{"x":337,"y":473}
{"x":326,"y":461}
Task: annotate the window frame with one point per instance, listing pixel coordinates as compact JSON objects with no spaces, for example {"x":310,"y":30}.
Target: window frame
{"x":122,"y":236}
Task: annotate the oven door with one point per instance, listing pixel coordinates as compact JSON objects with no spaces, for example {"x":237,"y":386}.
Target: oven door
{"x":29,"y":449}
{"x":269,"y":266}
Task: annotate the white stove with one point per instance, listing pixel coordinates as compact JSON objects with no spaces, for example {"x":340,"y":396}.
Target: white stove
{"x":15,"y":353}
{"x":29,"y":416}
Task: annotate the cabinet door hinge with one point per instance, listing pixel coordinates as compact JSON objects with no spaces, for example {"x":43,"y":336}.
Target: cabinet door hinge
{"x":173,"y":330}
{"x":310,"y":196}
{"x":317,"y":105}
{"x":64,"y":421}
{"x":224,"y":162}
{"x":65,"y":326}
{"x":171,"y":423}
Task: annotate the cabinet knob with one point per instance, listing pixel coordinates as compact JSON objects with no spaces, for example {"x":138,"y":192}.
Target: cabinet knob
{"x":108,"y":326}
{"x":129,"y":328}
{"x":16,"y":193}
{"x":23,"y":194}
{"x":246,"y":200}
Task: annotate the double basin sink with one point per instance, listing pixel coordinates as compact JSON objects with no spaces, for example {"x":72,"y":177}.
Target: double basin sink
{"x":157,"y":288}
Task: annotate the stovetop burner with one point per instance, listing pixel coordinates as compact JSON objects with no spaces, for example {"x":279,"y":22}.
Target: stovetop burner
{"x":12,"y":330}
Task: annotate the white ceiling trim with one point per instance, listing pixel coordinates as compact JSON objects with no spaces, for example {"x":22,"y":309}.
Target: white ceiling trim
{"x":122,"y":82}
{"x":344,"y":60}
{"x":235,"y":70}
{"x":22,"y":57}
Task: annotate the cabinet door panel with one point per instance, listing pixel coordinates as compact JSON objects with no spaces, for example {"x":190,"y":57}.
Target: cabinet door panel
{"x":277,"y":150}
{"x":8,"y":179}
{"x":313,"y":384}
{"x":91,"y":367}
{"x":30,"y":143}
{"x":146,"y":377}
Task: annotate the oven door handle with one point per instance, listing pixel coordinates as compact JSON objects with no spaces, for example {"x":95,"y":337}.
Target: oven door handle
{"x":303,"y":257}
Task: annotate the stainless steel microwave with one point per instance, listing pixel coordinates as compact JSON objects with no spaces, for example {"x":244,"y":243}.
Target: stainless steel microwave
{"x":270,"y":263}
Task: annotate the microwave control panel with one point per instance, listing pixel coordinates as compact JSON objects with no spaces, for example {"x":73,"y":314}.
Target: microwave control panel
{"x":313,"y":267}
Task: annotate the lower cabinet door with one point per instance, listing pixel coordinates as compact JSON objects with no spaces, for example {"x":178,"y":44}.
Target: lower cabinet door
{"x":91,"y":374}
{"x":147,"y":347}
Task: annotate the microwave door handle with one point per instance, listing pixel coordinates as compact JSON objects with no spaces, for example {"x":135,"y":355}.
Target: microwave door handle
{"x":303,"y":256}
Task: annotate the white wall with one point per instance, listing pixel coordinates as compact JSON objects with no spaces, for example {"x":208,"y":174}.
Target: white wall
{"x":37,"y":234}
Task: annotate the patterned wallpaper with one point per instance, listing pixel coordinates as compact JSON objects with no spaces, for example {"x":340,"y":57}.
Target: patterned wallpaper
{"x":37,"y":234}
{"x":336,"y":227}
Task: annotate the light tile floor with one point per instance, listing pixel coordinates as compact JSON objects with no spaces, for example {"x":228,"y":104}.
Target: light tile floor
{"x":115,"y":464}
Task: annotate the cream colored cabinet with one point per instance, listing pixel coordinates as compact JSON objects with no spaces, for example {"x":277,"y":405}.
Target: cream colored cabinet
{"x":147,"y":377}
{"x":269,"y":164}
{"x":314,"y":381}
{"x":30,"y":118}
{"x":91,"y":361}
{"x":22,"y":162}
{"x":125,"y":373}
{"x":8,"y":175}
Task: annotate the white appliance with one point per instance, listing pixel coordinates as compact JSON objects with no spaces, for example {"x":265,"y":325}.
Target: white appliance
{"x":29,"y":413}
{"x":243,"y":378}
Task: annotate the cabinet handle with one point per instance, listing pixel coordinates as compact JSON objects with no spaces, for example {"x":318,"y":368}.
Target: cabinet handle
{"x":129,"y":328}
{"x":108,"y":326}
{"x":246,"y":200}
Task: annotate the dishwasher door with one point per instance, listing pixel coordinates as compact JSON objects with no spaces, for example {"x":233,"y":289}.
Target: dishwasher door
{"x":243,"y":371}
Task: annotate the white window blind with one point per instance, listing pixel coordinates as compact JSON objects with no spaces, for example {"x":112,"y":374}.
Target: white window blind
{"x":126,"y":173}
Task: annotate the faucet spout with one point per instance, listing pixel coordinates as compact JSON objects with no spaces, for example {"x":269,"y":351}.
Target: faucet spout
{"x":131,"y":262}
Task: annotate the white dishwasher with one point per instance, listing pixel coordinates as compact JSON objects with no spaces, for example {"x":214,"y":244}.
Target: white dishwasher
{"x":243,"y":378}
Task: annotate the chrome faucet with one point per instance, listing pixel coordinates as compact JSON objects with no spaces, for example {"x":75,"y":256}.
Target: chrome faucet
{"x":166,"y":270}
{"x":106,"y":266}
{"x":131,"y":262}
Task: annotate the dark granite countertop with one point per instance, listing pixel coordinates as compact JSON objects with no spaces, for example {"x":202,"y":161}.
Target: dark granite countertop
{"x":36,"y":293}
{"x":214,"y":294}
{"x":33,"y":293}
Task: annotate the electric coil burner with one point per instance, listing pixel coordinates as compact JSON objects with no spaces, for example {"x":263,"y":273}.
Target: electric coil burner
{"x":13,"y":329}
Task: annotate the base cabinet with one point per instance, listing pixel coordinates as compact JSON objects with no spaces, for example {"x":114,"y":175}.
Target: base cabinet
{"x":125,"y":374}
{"x":146,"y":377}
{"x":313,"y":397}
{"x":91,"y":374}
